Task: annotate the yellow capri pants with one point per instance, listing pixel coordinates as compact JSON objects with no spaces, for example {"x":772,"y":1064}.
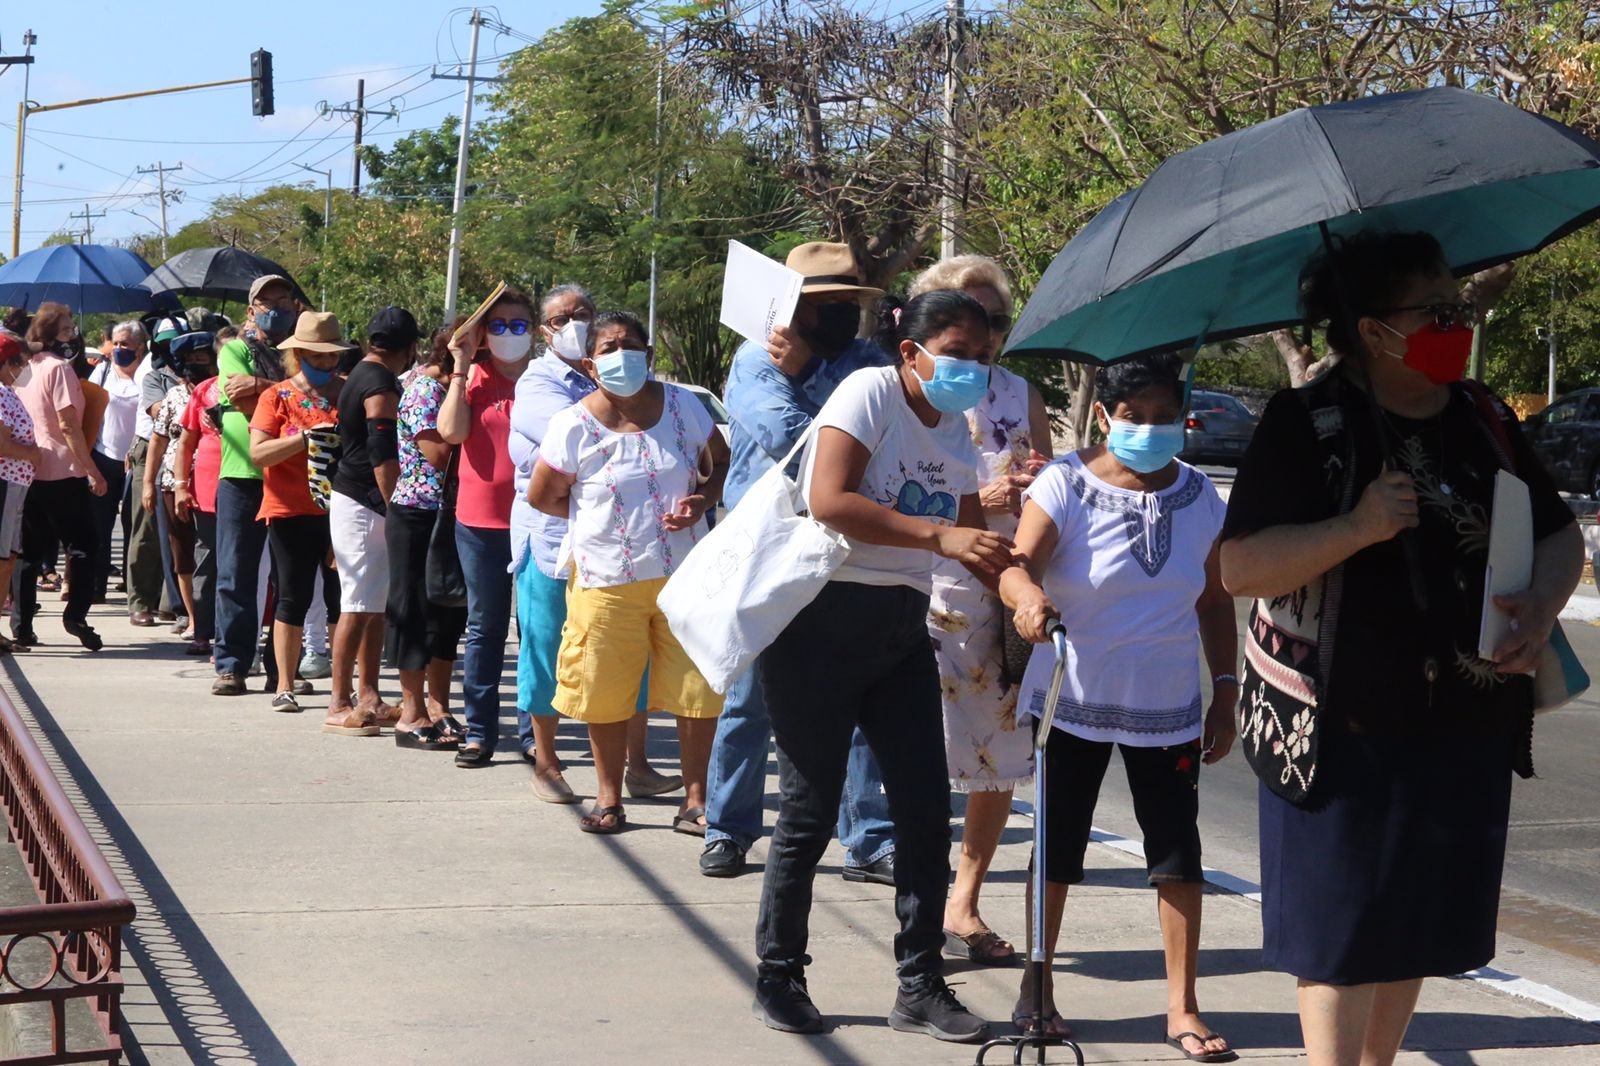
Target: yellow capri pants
{"x":610,"y":635}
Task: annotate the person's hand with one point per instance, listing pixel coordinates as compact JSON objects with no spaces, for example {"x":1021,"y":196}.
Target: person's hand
{"x":1532,"y":620}
{"x":97,"y":483}
{"x":147,"y":496}
{"x":1033,"y":614}
{"x":1387,"y":506}
{"x":1003,"y":495}
{"x":1036,"y":462}
{"x":466,"y":346}
{"x":182,"y":502}
{"x":238,"y":387}
{"x":690,"y":510}
{"x":982,"y":551}
{"x":1216,"y":739}
{"x":790,"y":353}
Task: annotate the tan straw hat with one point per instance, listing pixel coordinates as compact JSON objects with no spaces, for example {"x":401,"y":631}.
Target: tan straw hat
{"x":828,"y":268}
{"x":316,"y":331}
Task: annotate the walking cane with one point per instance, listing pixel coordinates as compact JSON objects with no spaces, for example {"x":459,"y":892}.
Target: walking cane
{"x":1035,"y":1036}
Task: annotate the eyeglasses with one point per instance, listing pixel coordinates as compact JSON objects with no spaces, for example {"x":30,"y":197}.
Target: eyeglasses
{"x":583,"y":314}
{"x":516,"y":326}
{"x":1000,"y":322}
{"x":1445,"y":316}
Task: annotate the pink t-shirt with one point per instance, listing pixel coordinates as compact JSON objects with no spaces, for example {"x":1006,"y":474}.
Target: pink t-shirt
{"x":484,"y":498}
{"x":20,"y":424}
{"x":52,"y":387}
{"x":208,"y":453}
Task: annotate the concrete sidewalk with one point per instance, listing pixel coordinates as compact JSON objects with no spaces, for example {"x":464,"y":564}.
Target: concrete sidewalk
{"x":316,"y":899}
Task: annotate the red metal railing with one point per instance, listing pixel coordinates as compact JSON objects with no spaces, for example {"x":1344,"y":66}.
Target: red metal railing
{"x":69,"y":945}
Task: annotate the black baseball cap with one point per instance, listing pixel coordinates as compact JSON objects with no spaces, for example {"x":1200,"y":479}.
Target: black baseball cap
{"x":393,"y":329}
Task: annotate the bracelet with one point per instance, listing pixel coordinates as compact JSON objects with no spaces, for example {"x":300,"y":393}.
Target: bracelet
{"x":1220,"y":678}
{"x":178,"y":484}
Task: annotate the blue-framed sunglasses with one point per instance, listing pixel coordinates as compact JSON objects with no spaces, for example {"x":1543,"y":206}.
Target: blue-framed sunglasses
{"x":516,"y":326}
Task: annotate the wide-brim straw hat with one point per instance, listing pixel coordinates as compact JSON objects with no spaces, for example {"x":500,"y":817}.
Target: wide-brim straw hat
{"x":828,"y":267}
{"x":316,"y":331}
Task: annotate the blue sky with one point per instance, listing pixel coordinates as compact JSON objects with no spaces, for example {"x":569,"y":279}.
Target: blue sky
{"x":90,"y":48}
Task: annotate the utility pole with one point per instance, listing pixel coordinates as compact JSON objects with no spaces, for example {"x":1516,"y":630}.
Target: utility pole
{"x":955,"y":31}
{"x":655,"y":208}
{"x":360,"y":111}
{"x":161,"y":171}
{"x":452,"y":280}
{"x":88,"y":223}
{"x":28,"y":41}
{"x":327,"y":220}
{"x":1551,"y":339}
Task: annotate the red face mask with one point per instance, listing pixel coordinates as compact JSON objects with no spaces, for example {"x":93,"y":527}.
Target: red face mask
{"x":1440,"y":355}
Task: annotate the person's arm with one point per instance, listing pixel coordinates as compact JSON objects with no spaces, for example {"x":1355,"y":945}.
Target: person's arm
{"x":267,"y":450}
{"x":182,"y":497}
{"x":840,"y":464}
{"x":550,"y":490}
{"x":238,"y":380}
{"x":1557,"y":567}
{"x":72,"y":430}
{"x":455,"y":414}
{"x":1219,"y":638}
{"x":152,"y":468}
{"x":692,"y":508}
{"x":383,"y":442}
{"x":768,"y":405}
{"x":10,"y":449}
{"x":1022,"y":585}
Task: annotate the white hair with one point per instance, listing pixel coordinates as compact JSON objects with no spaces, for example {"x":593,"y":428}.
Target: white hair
{"x":963,"y":272}
{"x":133,"y":326}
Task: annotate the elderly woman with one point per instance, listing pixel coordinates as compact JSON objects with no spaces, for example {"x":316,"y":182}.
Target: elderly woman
{"x":1119,"y":540}
{"x":986,"y":752}
{"x":19,"y":454}
{"x":119,"y":376}
{"x":1381,"y":865}
{"x":634,"y":467}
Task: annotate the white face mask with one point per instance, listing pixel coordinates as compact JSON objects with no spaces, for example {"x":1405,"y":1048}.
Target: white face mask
{"x":508,"y":347}
{"x":569,"y":340}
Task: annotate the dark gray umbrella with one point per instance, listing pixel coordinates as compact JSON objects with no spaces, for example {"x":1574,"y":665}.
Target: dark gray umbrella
{"x":1212,"y":245}
{"x":225,"y":273}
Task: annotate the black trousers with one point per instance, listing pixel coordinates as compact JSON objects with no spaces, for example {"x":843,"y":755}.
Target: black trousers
{"x":300,"y":547}
{"x":105,"y":509}
{"x":858,"y":655}
{"x":417,"y":631}
{"x":57,"y":511}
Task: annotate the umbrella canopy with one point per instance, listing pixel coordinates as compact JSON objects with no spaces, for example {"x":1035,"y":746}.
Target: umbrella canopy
{"x":89,"y":278}
{"x":225,"y":273}
{"x":1212,"y":245}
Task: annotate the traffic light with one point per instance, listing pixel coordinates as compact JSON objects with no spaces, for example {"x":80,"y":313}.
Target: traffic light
{"x":261,"y":83}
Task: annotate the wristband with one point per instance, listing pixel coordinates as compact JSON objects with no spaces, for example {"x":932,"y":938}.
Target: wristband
{"x":1220,"y":678}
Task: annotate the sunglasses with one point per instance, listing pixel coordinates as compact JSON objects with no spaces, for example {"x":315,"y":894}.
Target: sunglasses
{"x":1445,"y":316}
{"x":516,"y":326}
{"x":1000,"y":323}
{"x":560,"y":321}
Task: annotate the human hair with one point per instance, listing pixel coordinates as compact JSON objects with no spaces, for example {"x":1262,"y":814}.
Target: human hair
{"x":924,"y":317}
{"x":513,"y":295}
{"x":225,"y":333}
{"x":133,"y":326}
{"x":626,"y":319}
{"x":1128,"y":377}
{"x":439,"y":346}
{"x":47,"y":322}
{"x":17,"y":322}
{"x":564,"y":289}
{"x":964,"y":272}
{"x":1374,"y":270}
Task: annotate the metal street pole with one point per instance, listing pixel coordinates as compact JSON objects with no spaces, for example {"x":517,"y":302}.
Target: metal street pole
{"x":452,"y":279}
{"x":955,"y":17}
{"x":655,"y":209}
{"x":28,"y":39}
{"x":1551,"y":389}
{"x":327,"y":220}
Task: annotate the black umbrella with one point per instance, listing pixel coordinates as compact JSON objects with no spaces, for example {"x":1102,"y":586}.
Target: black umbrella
{"x":1212,"y":245}
{"x":225,"y":273}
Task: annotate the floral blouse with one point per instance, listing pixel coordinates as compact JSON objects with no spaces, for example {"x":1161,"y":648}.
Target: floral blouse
{"x":421,"y":484}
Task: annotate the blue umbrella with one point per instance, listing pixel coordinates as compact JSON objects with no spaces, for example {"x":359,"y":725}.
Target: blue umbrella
{"x":1211,"y":246}
{"x":89,"y":278}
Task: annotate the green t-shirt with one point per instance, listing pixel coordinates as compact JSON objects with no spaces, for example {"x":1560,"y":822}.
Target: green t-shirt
{"x":235,"y":358}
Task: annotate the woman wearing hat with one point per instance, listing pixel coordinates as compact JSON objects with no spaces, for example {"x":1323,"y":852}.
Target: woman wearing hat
{"x":292,"y":418}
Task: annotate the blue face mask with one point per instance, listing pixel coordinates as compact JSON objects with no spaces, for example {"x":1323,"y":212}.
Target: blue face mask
{"x":314,"y":377}
{"x":276,"y":323}
{"x":957,"y":385}
{"x":124,"y":356}
{"x":622,"y":373}
{"x":1144,"y":449}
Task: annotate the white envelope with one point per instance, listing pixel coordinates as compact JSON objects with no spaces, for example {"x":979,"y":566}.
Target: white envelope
{"x":1510,"y":557}
{"x":757,"y":293}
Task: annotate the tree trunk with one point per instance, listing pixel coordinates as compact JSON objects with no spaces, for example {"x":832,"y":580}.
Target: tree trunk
{"x":1079,"y":385}
{"x":1295,"y":356}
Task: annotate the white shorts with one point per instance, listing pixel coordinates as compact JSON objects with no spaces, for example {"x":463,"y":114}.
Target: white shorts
{"x":11,"y":519}
{"x":361,"y":554}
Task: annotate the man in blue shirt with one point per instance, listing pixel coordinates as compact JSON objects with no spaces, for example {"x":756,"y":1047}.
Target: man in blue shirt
{"x":772,"y":395}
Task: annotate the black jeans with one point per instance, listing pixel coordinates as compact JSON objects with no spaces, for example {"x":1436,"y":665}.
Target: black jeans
{"x":418,"y":631}
{"x":300,"y":546}
{"x":105,"y":509}
{"x":858,"y":655}
{"x":56,"y":511}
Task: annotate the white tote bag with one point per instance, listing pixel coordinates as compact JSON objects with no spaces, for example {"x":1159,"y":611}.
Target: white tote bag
{"x":745,"y":582}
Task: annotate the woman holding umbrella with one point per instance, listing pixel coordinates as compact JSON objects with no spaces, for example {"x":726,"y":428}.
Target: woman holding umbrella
{"x":1385,"y":868}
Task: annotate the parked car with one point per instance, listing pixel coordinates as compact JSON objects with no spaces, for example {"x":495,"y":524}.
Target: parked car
{"x":1566,"y":435}
{"x":1218,"y":428}
{"x":713,"y":406}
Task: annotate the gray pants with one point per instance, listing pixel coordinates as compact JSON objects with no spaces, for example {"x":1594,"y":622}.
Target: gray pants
{"x":144,"y":544}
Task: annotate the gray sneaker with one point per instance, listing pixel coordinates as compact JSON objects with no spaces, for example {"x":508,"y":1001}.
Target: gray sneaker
{"x":933,"y":1009}
{"x":314,"y":666}
{"x":228,"y":685}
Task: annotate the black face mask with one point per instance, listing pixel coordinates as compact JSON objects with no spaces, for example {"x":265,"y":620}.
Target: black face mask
{"x":836,"y":327}
{"x":199,"y":371}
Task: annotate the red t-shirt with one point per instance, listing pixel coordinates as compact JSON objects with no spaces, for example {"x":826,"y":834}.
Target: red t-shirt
{"x":285,"y":411}
{"x":484,"y":498}
{"x":208,"y":453}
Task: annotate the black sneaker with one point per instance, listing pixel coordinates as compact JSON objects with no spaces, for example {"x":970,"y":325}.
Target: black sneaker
{"x":722,"y":858}
{"x":84,"y":632}
{"x":933,"y":1009}
{"x":783,"y":1003}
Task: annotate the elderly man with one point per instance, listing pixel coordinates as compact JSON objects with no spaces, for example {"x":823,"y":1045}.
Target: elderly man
{"x":152,"y":585}
{"x":773,"y":394}
{"x":246,"y":366}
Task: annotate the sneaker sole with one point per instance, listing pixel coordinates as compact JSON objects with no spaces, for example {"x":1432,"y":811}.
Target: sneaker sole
{"x":906,"y":1024}
{"x":722,"y":871}
{"x":760,"y":1012}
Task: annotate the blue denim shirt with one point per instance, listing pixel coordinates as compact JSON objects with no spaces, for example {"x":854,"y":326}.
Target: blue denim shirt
{"x":770,"y":410}
{"x":549,"y":385}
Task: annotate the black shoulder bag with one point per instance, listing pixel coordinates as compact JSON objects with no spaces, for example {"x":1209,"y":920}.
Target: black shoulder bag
{"x":446,"y":584}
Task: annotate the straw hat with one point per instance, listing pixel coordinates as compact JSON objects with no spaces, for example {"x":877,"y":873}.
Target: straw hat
{"x":828,"y":268}
{"x":316,"y":331}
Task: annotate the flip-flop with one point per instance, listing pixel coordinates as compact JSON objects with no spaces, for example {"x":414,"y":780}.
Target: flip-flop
{"x":1225,"y":1055}
{"x":594,"y":821}
{"x":1023,"y":1020}
{"x":688,"y":822}
{"x":355,"y":724}
{"x":978,"y":947}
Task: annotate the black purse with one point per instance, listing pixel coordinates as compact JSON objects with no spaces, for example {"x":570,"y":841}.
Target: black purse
{"x":445,"y":582}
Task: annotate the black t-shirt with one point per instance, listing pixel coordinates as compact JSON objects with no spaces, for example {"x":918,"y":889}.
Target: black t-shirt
{"x":1395,"y":670}
{"x":354,"y":477}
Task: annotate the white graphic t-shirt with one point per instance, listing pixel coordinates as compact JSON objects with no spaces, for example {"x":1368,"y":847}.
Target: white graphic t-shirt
{"x":921,"y":471}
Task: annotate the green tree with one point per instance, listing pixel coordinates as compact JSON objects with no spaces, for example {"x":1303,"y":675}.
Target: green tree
{"x":419,"y":166}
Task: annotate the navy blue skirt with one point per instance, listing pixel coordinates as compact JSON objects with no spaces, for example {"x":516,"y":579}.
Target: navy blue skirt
{"x":1395,"y":874}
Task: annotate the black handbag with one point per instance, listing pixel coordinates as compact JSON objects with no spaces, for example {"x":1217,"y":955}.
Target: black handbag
{"x":446,"y":583}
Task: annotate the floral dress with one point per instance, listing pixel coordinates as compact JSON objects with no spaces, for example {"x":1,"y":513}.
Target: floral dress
{"x":420,"y":484}
{"x":985,"y":750}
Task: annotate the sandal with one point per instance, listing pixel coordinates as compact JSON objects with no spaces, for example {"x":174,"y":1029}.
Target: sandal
{"x":449,"y":727}
{"x":595,"y":820}
{"x":357,"y":723}
{"x":424,"y":738}
{"x":979,"y":946}
{"x":1054,"y":1025}
{"x":1225,"y":1055}
{"x":49,"y":583}
{"x":385,"y":715}
{"x":690,"y":822}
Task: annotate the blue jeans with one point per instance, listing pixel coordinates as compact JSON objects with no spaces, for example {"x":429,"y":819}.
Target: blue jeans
{"x":485,"y":555}
{"x":737,"y":777}
{"x":240,"y":538}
